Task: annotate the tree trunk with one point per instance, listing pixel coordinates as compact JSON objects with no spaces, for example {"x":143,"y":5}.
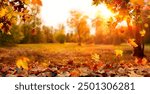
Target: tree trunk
{"x":79,"y":41}
{"x":79,"y":38}
{"x":139,"y":51}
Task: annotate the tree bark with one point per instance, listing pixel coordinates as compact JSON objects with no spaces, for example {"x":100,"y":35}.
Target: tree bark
{"x":139,"y":51}
{"x":79,"y":39}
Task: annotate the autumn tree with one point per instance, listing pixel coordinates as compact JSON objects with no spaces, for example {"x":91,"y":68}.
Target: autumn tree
{"x":101,"y":30}
{"x":131,"y":12}
{"x":78,"y":21}
{"x":10,"y":39}
{"x":60,"y":34}
{"x":12,"y":12}
{"x":146,"y":19}
{"x":48,"y":34}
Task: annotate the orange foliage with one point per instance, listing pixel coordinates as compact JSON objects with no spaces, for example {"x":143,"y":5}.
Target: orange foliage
{"x":38,"y":2}
{"x":142,"y":61}
{"x":139,"y":2}
{"x":75,"y":73}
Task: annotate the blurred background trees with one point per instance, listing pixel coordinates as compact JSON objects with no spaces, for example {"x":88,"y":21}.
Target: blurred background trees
{"x":22,"y":23}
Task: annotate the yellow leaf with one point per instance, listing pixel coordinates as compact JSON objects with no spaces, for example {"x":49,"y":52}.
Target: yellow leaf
{"x":143,"y":32}
{"x":118,"y":52}
{"x":19,"y":63}
{"x":132,"y":42}
{"x":146,"y":25}
{"x":25,"y":65}
{"x":1,"y":25}
{"x":95,"y":57}
{"x":22,"y":63}
{"x":26,"y":59}
{"x":148,"y":16}
{"x":3,"y":12}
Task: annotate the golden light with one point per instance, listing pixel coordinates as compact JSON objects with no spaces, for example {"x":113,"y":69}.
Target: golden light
{"x":122,"y":24}
{"x":54,"y":12}
{"x":104,"y":11}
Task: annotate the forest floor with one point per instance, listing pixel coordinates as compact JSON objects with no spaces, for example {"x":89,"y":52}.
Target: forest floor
{"x":65,"y":60}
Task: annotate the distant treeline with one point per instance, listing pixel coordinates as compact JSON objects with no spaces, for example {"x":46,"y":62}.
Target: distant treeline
{"x":25,"y":33}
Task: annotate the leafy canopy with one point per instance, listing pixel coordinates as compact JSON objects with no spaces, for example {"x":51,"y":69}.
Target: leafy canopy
{"x":14,"y":11}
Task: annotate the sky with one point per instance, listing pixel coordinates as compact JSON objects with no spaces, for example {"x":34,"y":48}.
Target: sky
{"x":54,"y":12}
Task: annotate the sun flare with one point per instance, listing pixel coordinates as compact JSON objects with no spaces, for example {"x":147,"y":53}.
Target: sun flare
{"x":104,"y":11}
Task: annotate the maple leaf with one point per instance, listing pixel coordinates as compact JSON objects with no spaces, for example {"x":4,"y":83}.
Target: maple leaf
{"x":95,"y":57}
{"x":143,"y":32}
{"x":3,"y":12}
{"x":132,"y":42}
{"x":22,"y":63}
{"x":38,"y":2}
{"x":118,"y":53}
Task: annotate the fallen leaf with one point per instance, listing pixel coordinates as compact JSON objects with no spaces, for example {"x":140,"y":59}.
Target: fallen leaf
{"x":22,"y":63}
{"x":95,"y":57}
{"x":118,"y":53}
{"x":143,"y":32}
{"x":132,"y":42}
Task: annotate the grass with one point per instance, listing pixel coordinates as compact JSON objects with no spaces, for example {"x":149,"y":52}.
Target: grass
{"x":64,"y":55}
{"x":67,"y":51}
